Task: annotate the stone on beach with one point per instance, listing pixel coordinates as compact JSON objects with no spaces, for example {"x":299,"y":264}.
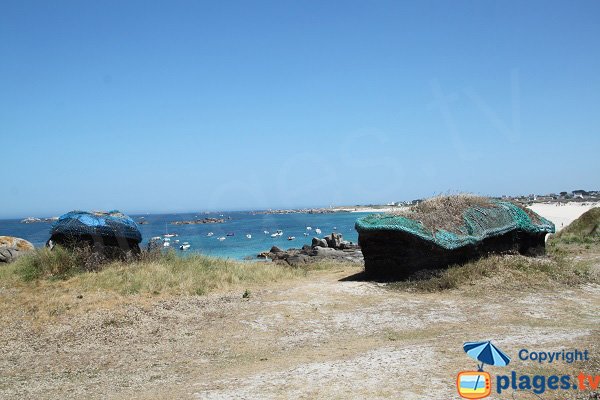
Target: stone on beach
{"x":12,"y":248}
{"x":332,"y":247}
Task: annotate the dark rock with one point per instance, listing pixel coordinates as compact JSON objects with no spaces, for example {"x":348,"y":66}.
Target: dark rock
{"x":298,"y":259}
{"x":333,"y":240}
{"x":200,"y":221}
{"x":345,"y":245}
{"x":316,"y":242}
{"x":324,"y":251}
{"x":276,"y":249}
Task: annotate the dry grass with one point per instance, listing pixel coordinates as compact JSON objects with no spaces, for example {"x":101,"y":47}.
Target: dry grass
{"x":585,"y":229}
{"x":444,"y":212}
{"x":506,"y":272}
{"x":151,"y":274}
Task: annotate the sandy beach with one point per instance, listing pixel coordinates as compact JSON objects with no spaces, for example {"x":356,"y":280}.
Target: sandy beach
{"x":562,"y":214}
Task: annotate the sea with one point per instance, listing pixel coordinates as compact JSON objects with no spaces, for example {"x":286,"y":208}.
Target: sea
{"x":237,"y":225}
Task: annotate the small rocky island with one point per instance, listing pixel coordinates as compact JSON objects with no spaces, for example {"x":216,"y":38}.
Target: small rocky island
{"x":331,"y":247}
{"x":299,"y":211}
{"x":200,"y":221}
{"x":35,"y":220}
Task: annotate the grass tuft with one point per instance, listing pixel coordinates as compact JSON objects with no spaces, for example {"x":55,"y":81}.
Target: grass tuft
{"x":153,"y":273}
{"x":504,"y":272}
{"x":584,"y":230}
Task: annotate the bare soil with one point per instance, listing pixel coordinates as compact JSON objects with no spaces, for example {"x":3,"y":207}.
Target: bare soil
{"x":323,"y":336}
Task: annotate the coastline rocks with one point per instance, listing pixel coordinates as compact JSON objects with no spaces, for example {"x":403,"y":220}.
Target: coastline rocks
{"x":34,"y":220}
{"x":12,"y":248}
{"x":275,"y":249}
{"x":200,"y":221}
{"x":319,"y":250}
{"x":316,"y":242}
{"x":299,"y":211}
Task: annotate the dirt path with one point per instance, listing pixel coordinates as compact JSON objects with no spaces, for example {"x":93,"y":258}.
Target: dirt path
{"x":317,"y":337}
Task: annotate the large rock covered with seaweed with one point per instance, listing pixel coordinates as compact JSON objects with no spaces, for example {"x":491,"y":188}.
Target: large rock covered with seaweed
{"x":108,"y":232}
{"x":447,"y":230}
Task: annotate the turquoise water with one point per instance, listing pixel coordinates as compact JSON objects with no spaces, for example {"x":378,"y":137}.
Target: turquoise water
{"x":240,"y":224}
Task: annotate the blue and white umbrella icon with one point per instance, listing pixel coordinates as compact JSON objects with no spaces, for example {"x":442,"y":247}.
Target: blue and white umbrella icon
{"x":486,"y":353}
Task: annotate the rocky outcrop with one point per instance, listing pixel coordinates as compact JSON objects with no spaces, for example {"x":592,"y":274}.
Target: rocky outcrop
{"x":34,"y":220}
{"x":299,"y":211}
{"x":331,"y":247}
{"x":12,"y":248}
{"x":200,"y":221}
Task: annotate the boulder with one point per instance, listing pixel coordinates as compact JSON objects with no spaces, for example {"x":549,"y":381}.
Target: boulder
{"x":346,"y":245}
{"x":333,"y":240}
{"x":297,"y":259}
{"x":275,"y":249}
{"x":316,"y":242}
{"x":12,"y":248}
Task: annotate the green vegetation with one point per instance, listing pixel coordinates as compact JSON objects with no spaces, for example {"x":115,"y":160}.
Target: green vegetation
{"x":153,"y":273}
{"x":585,"y":229}
{"x":560,"y":267}
{"x":506,"y":272}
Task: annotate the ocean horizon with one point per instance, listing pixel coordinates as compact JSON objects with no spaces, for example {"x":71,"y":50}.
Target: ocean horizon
{"x":237,"y":225}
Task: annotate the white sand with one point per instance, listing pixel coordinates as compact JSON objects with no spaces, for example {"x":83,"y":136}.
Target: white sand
{"x":563,"y":214}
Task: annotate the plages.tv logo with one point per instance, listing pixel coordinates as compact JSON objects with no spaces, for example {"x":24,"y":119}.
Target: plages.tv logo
{"x":478,"y":384}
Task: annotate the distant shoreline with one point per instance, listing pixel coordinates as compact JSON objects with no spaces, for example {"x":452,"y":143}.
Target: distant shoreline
{"x":337,"y":209}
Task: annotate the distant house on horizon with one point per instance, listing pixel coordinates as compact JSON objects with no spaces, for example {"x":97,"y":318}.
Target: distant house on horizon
{"x":581,"y":194}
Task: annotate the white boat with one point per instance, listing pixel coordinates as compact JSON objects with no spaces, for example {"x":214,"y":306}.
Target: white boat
{"x":249,"y":236}
{"x":308,"y":228}
{"x":155,"y":239}
{"x":266,"y":232}
{"x":185,"y":246}
{"x":291,"y":237}
{"x":176,"y":240}
{"x":209,"y":234}
{"x":222,"y":238}
{"x":305,"y":233}
{"x":277,"y":233}
{"x":168,"y":235}
{"x":335,"y":228}
{"x":318,"y":231}
{"x":166,"y":244}
{"x":166,"y":239}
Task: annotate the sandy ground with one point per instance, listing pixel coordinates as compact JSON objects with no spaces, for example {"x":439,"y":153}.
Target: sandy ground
{"x":323,"y":337}
{"x":562,"y":214}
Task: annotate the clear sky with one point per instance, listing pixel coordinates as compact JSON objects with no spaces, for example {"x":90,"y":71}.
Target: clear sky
{"x":189,"y":106}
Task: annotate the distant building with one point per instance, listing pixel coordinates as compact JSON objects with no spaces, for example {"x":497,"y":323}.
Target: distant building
{"x":580,"y":194}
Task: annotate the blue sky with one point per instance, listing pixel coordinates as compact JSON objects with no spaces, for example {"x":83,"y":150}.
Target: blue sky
{"x":190,"y":106}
